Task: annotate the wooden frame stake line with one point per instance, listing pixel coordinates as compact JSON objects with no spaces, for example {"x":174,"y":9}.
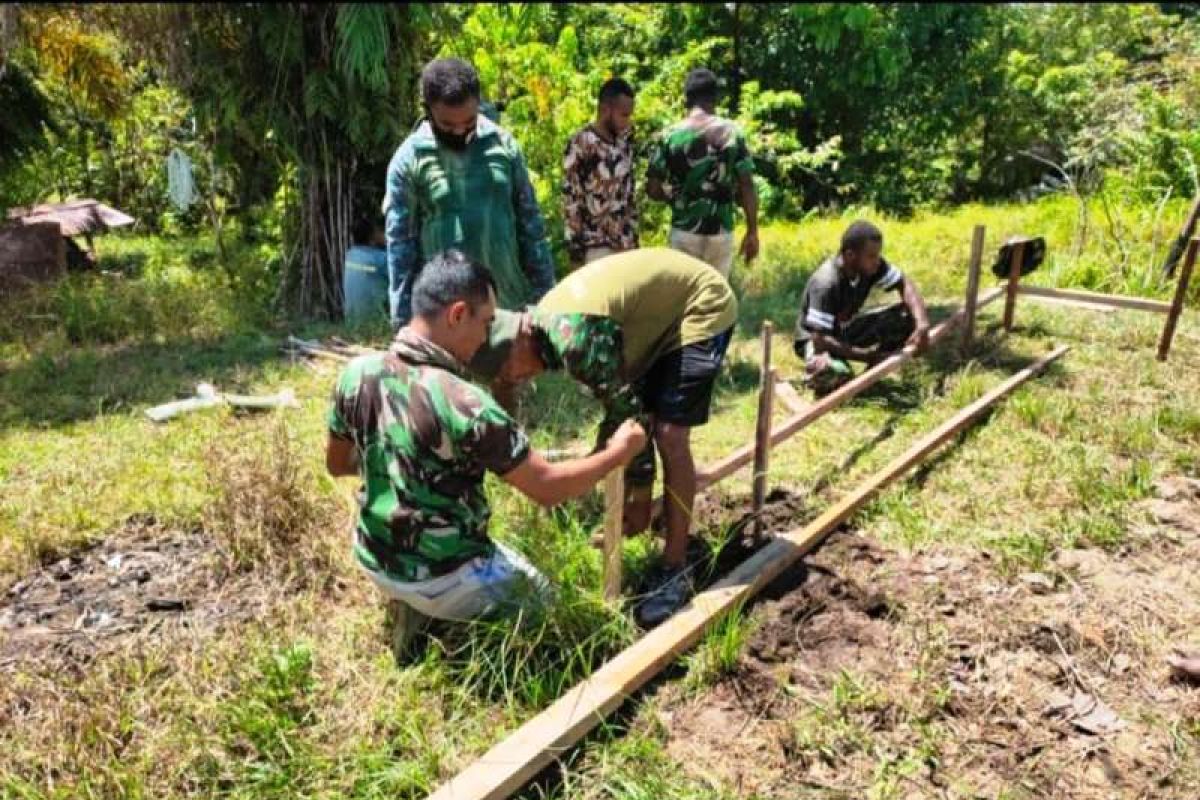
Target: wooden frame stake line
{"x":1185,"y":276}
{"x":1014,"y":279}
{"x":1075,"y":296}
{"x":506,"y":767}
{"x":762,"y":431}
{"x":744,"y":455}
{"x":614,"y":531}
{"x":969,"y":306}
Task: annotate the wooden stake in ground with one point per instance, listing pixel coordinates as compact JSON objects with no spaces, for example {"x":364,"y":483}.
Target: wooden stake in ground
{"x":507,"y":766}
{"x":614,"y":515}
{"x":1181,"y":241}
{"x":1185,"y":276}
{"x":1014,"y":278}
{"x":762,"y":450}
{"x":969,"y":306}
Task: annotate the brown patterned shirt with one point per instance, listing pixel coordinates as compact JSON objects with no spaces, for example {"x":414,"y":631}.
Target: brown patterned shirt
{"x":598,"y":192}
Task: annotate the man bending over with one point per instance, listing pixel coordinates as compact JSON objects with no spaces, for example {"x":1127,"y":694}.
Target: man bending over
{"x":646,"y":331}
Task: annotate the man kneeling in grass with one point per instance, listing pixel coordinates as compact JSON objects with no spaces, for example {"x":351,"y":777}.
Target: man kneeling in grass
{"x":829,"y":329}
{"x":646,"y":331}
{"x":420,"y":437}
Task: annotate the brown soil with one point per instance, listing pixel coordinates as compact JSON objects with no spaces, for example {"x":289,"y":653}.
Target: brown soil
{"x":873,"y":672}
{"x":142,"y":581}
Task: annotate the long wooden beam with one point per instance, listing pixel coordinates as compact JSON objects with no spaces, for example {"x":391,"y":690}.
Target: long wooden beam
{"x":507,"y":766}
{"x":1082,"y":304}
{"x":1095,"y":298}
{"x":789,"y":427}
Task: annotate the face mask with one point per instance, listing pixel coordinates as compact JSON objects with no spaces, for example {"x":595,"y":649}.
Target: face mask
{"x":452,"y":141}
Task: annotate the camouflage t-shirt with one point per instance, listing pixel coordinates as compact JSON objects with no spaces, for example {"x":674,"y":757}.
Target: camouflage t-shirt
{"x":698,"y":164}
{"x":424,"y":437}
{"x":599,"y":205}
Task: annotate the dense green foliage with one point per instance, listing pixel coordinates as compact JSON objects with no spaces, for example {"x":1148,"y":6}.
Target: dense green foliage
{"x":291,"y":112}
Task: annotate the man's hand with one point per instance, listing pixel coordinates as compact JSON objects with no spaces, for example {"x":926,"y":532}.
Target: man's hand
{"x":749,"y":248}
{"x":919,"y":338}
{"x":629,"y":440}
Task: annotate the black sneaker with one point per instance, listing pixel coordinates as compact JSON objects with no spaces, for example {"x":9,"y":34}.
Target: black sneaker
{"x":672,"y":590}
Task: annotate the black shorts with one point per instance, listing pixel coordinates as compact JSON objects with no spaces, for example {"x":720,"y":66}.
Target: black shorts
{"x":678,"y":387}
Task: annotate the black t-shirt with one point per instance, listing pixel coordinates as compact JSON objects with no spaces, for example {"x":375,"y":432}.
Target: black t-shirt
{"x":831,"y":298}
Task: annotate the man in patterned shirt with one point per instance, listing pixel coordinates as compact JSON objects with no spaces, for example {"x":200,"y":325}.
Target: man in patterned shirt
{"x":421,"y":437}
{"x":700,"y":165}
{"x":646,"y":331}
{"x":829,"y":329}
{"x":459,"y":180}
{"x":598,"y":180}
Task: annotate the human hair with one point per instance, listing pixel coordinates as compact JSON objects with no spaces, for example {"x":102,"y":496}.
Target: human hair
{"x":450,"y":81}
{"x":447,"y":278}
{"x":858,"y":234}
{"x":614,"y":88}
{"x":701,"y":88}
{"x":361,"y":230}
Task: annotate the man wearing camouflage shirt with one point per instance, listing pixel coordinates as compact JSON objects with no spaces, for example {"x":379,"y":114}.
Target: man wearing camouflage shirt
{"x":599,"y":204}
{"x":700,"y":165}
{"x":460,"y":180}
{"x":646,"y":331}
{"x":421,"y":437}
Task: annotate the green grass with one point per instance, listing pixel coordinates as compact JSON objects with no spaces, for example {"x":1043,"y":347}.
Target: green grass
{"x":304,"y":700}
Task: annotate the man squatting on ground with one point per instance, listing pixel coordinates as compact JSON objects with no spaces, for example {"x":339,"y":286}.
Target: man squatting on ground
{"x":646,"y":331}
{"x":420,"y":437}
{"x":828,"y":332}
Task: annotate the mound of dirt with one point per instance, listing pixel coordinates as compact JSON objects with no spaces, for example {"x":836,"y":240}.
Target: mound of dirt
{"x":937,"y":674}
{"x":141,"y":581}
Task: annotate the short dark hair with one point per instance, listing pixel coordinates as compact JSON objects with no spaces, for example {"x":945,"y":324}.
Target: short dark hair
{"x":451,"y":81}
{"x":445,"y":279}
{"x":614,"y":88}
{"x":701,"y":87}
{"x":859,"y":233}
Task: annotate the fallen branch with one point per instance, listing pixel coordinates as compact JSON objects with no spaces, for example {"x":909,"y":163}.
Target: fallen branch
{"x":516,"y":759}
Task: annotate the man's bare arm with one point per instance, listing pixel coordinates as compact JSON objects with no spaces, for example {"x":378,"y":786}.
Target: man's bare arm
{"x":749,"y":202}
{"x":916,"y":306}
{"x":341,"y":457}
{"x":655,"y":190}
{"x":824,"y":343}
{"x":549,"y":484}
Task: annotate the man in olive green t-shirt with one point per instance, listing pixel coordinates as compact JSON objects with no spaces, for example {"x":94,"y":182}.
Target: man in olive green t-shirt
{"x":646,"y":331}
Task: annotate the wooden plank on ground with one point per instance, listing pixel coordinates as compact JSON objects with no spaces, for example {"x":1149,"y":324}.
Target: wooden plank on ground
{"x":789,"y":427}
{"x":507,"y":766}
{"x":1116,"y":301}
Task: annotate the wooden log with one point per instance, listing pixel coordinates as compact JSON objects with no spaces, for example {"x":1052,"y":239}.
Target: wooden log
{"x":1095,"y":298}
{"x":614,"y":514}
{"x":743,"y":455}
{"x":973,"y":268}
{"x":513,"y":761}
{"x":1014,"y":280}
{"x":762,"y":450}
{"x":1185,"y":276}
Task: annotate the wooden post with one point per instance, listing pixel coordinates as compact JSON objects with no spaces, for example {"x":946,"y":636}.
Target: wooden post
{"x":1014,"y":278}
{"x":506,"y":767}
{"x":969,"y":306}
{"x":614,"y":515}
{"x":762,"y":450}
{"x":1185,"y":276}
{"x":1181,"y":241}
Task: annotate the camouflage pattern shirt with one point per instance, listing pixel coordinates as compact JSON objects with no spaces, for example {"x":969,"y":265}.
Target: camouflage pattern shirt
{"x":698,"y":164}
{"x":424,"y":437}
{"x":598,"y":192}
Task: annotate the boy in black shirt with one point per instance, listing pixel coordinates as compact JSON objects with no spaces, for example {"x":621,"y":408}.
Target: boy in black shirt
{"x":830,"y":331}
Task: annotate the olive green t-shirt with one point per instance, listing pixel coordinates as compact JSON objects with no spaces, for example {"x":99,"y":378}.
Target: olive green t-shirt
{"x":662,"y":299}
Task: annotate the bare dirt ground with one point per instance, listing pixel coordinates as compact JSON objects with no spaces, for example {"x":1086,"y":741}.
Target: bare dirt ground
{"x":873,"y":672}
{"x":144,"y":581}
